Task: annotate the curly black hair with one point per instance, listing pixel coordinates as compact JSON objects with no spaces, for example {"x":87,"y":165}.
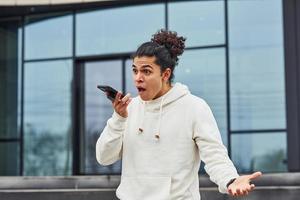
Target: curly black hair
{"x":166,"y":46}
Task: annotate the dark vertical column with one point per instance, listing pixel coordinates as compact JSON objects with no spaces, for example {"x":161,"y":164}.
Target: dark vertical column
{"x":167,"y":15}
{"x":22,"y":100}
{"x":227,"y":77}
{"x":9,"y":57}
{"x":75,"y":106}
{"x":291,"y":18}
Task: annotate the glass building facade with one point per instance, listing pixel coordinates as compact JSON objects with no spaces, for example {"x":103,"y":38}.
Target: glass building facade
{"x":52,"y":113}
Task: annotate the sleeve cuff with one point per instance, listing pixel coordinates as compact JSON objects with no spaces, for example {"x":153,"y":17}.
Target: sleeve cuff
{"x":229,"y":183}
{"x":224,"y":186}
{"x":118,"y":117}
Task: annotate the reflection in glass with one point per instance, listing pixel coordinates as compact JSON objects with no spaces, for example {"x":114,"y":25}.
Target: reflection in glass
{"x":257,"y":92}
{"x":9,"y":155}
{"x":48,"y":36}
{"x":98,"y":110}
{"x":47,"y":118}
{"x":264,"y":152}
{"x":201,"y":22}
{"x":203,"y":71}
{"x":118,"y":29}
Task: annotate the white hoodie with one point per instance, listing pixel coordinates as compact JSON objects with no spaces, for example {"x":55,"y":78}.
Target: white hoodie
{"x":161,"y":143}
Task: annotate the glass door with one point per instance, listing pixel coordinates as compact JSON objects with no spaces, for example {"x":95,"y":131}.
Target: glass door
{"x":97,"y":109}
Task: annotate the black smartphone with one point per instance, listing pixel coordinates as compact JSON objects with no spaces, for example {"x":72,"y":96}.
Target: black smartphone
{"x":111,"y":92}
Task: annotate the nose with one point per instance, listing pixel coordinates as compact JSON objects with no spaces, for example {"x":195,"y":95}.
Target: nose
{"x":138,"y":77}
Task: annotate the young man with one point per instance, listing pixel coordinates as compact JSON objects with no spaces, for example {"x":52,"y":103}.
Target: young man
{"x":162,"y":134}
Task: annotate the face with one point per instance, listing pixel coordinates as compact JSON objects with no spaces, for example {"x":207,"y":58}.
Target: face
{"x":150,"y":82}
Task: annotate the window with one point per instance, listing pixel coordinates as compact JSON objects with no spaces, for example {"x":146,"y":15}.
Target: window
{"x":202,"y":22}
{"x":259,"y":152}
{"x":256,"y":65}
{"x":48,"y":36}
{"x":203,"y":71}
{"x":47,"y":118}
{"x":97,"y":110}
{"x":117,"y":30}
{"x":257,"y":90}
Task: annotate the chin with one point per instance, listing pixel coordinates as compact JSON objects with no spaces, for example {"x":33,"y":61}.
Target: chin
{"x":145,"y":98}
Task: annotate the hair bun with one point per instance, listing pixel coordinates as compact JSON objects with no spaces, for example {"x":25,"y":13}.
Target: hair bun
{"x":174,"y":43}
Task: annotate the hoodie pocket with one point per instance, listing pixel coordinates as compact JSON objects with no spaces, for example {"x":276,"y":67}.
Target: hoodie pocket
{"x":145,"y":188}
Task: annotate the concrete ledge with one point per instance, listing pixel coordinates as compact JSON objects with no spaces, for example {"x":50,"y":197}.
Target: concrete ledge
{"x":59,"y":182}
{"x":270,"y":187}
{"x":265,"y":193}
{"x":100,"y":182}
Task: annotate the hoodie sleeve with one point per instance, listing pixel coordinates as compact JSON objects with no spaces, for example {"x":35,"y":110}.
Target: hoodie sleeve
{"x":109,"y":144}
{"x":211,"y":149}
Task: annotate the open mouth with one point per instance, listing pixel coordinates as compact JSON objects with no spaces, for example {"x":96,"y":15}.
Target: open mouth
{"x":141,"y":89}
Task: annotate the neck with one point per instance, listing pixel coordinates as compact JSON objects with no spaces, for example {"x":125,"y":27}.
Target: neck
{"x":165,"y":88}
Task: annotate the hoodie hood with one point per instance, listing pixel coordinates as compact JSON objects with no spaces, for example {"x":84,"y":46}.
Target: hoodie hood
{"x":176,"y":92}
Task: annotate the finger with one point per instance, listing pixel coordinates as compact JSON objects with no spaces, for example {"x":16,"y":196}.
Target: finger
{"x":129,"y":100}
{"x":238,"y":191}
{"x":122,"y":106}
{"x":126,"y":98}
{"x":117,"y":99}
{"x":233,"y":191}
{"x":255,"y":175}
{"x":230,"y":192}
{"x":118,"y":96}
{"x":241,"y":193}
{"x":252,"y":186}
{"x":249,"y":188}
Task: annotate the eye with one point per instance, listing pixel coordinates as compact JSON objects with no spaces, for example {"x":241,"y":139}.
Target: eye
{"x":134,"y":71}
{"x":147,"y":71}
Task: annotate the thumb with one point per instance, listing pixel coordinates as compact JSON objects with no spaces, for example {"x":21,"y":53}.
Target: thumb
{"x":255,"y":175}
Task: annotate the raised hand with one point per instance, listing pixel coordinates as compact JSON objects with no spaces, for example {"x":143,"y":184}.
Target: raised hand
{"x":120,"y":105}
{"x":242,"y":185}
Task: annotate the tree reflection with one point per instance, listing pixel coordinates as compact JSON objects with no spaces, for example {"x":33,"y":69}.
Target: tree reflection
{"x":46,"y":153}
{"x":270,"y":162}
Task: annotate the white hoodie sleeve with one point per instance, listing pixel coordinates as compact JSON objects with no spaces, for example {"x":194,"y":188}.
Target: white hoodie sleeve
{"x":211,"y":149}
{"x":109,"y":144}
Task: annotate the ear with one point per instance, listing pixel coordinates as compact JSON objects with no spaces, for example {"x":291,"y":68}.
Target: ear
{"x":166,"y":74}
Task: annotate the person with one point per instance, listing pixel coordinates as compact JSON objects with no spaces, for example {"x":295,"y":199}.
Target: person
{"x":163,"y":133}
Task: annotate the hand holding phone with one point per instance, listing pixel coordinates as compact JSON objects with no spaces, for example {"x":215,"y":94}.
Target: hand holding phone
{"x":120,"y":106}
{"x":110,"y":92}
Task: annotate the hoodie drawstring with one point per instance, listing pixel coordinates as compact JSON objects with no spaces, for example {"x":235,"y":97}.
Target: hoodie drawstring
{"x":157,"y":135}
{"x":141,"y":130}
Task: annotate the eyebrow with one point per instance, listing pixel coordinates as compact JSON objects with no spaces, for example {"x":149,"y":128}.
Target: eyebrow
{"x":143,"y":66}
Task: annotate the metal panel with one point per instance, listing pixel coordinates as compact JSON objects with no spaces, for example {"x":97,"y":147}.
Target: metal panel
{"x":291,"y":12}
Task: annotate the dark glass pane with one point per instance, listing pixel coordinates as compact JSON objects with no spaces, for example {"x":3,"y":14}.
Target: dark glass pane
{"x":48,"y":36}
{"x":203,"y":71}
{"x":257,"y":92}
{"x":201,"y":22}
{"x":98,"y":110}
{"x":9,"y":156}
{"x":266,"y":152}
{"x":10,"y":45}
{"x":118,"y":29}
{"x":47,"y":118}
